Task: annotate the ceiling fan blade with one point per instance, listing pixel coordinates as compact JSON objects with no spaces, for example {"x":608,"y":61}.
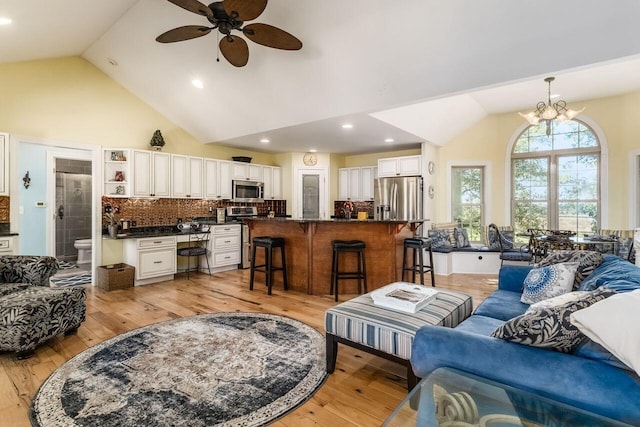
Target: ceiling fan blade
{"x":236,"y":51}
{"x":183,"y":33}
{"x":268,"y":35}
{"x":244,"y":10}
{"x":194,"y":6}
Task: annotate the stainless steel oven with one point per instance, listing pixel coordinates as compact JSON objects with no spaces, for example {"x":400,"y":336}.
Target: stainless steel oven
{"x":247,"y":191}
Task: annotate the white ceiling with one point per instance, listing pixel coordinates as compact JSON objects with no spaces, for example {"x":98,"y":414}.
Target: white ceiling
{"x":415,"y":70}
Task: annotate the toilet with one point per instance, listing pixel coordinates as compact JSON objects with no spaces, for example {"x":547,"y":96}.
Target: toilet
{"x":84,"y":250}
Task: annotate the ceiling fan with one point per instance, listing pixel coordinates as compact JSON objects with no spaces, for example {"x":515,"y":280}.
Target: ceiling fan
{"x":226,"y":16}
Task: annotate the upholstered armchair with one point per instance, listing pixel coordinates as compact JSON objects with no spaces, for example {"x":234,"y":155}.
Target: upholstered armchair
{"x":32,"y":312}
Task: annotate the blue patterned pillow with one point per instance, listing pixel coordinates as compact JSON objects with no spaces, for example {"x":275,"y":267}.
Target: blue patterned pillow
{"x":440,"y":239}
{"x":550,"y":328}
{"x":461,"y":237}
{"x":494,"y":244}
{"x":548,"y":282}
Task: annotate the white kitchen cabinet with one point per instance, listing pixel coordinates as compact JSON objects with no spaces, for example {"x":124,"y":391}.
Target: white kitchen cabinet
{"x":246,"y":171}
{"x":187,"y":176}
{"x":7,"y":246}
{"x":400,"y":166}
{"x":356,"y":184}
{"x":271,"y":180}
{"x":368,"y":175}
{"x":154,"y":258}
{"x":4,"y":164}
{"x":211,"y":188}
{"x":224,"y":180}
{"x":117,"y":172}
{"x":151,"y":174}
{"x":225,"y":246}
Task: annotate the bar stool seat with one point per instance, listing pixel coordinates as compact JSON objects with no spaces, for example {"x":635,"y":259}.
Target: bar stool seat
{"x":418,"y":245}
{"x":343,"y":246}
{"x":268,"y":243}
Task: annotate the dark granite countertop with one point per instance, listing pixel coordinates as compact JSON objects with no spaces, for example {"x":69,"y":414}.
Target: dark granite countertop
{"x":153,"y":231}
{"x":7,"y":234}
{"x":337,"y":220}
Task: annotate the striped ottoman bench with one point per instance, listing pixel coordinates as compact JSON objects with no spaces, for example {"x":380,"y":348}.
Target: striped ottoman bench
{"x":389,"y":333}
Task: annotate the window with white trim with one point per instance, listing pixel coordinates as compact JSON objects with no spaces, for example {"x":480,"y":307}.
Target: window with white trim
{"x":556,"y":178}
{"x":467,"y":198}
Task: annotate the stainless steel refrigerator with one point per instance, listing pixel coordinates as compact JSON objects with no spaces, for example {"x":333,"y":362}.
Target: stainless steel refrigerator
{"x":398,"y":198}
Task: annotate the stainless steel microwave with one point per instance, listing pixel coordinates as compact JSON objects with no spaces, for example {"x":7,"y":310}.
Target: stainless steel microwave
{"x":247,"y":191}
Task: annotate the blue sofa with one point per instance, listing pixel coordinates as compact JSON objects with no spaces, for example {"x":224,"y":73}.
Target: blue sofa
{"x":590,"y":378}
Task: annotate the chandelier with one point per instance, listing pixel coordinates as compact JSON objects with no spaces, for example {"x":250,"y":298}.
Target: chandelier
{"x":548,"y":111}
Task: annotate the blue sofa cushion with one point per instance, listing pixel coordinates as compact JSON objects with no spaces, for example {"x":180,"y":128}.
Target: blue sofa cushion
{"x":587,"y":260}
{"x":502,"y":305}
{"x":480,"y":325}
{"x":548,"y":282}
{"x":550,"y":328}
{"x":592,"y":350}
{"x":615,"y":273}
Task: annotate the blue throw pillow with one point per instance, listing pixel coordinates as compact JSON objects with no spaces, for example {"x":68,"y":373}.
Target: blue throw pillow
{"x":462,"y":237}
{"x":494,"y":244}
{"x":548,"y":282}
{"x":440,"y":239}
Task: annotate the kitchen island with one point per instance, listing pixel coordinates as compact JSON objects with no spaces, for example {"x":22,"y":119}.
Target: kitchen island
{"x":309,"y":251}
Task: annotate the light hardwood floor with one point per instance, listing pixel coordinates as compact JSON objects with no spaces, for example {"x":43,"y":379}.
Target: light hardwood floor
{"x":363,"y":391}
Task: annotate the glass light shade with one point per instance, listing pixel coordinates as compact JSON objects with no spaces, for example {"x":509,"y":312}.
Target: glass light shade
{"x":561,"y":117}
{"x":530,"y":117}
{"x":572,"y":113}
{"x":549,"y":113}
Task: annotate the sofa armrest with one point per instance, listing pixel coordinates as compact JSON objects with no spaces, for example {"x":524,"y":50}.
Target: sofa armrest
{"x":35,"y":270}
{"x":570,"y":379}
{"x":511,"y":277}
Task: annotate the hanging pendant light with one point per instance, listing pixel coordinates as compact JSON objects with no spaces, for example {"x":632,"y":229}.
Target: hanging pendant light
{"x":549,"y":111}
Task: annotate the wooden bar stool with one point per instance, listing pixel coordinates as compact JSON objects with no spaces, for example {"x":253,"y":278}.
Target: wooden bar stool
{"x":418,"y":245}
{"x":268,"y":243}
{"x":341,"y":246}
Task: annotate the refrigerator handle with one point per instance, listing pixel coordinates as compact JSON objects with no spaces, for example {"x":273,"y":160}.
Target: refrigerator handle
{"x":394,"y":201}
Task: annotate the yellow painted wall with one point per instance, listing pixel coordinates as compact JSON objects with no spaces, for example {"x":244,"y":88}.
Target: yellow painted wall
{"x":371,"y":159}
{"x":619,"y":119}
{"x":70,"y":100}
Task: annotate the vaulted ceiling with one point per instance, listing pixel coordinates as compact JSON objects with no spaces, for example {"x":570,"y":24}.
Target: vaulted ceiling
{"x":411,"y":70}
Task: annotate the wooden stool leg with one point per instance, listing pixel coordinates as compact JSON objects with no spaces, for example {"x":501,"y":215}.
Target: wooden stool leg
{"x":421,"y":261}
{"x":269,"y":253}
{"x":433,"y":275}
{"x":359,"y":271}
{"x":253,"y":266}
{"x":404,"y":261}
{"x":333,"y":273}
{"x":364,"y":272}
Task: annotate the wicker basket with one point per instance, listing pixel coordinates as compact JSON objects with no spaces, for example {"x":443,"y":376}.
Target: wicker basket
{"x":115,"y":276}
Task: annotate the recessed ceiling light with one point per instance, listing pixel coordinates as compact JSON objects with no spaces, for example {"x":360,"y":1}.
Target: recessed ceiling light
{"x":313,"y":150}
{"x":389,"y":140}
{"x":5,"y":21}
{"x":265,"y":140}
{"x":197,"y":83}
{"x":347,"y":126}
{"x":112,"y":62}
{"x":555,"y":95}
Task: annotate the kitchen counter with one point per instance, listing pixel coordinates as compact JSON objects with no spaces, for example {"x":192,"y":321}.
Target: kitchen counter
{"x":309,"y":251}
{"x":156,"y":231}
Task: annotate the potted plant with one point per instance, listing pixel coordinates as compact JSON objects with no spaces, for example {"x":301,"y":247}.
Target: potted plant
{"x":157,"y":141}
{"x":112,"y":224}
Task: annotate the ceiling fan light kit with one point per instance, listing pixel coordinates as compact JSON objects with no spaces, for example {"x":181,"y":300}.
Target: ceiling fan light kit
{"x":549,"y":111}
{"x":227,"y":16}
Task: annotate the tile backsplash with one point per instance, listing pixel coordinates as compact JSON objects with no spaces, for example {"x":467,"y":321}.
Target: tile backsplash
{"x":149,"y":212}
{"x":366,"y":206}
{"x":4,"y":209}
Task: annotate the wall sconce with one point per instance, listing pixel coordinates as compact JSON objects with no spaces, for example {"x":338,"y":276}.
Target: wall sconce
{"x":26,"y":180}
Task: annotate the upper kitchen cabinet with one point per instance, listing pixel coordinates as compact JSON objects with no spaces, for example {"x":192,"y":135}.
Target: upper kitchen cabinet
{"x":272,"y":185}
{"x":224,"y":179}
{"x":400,"y":166}
{"x":117,"y":172}
{"x":4,"y":164}
{"x":211,"y":179}
{"x":246,"y":171}
{"x":187,"y":176}
{"x":356,"y":183}
{"x":151,"y":174}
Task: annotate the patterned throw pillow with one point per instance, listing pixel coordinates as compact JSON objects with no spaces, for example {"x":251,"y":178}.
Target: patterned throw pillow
{"x":587,"y":260}
{"x":461,"y":237}
{"x":548,"y":282}
{"x":440,"y":239}
{"x":507,"y":239}
{"x":550,"y":328}
{"x":556,"y":301}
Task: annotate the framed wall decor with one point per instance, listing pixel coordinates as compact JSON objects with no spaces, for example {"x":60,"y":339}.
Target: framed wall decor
{"x":431,"y":167}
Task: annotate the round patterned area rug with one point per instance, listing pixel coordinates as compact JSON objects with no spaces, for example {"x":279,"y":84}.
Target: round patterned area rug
{"x":213,"y":369}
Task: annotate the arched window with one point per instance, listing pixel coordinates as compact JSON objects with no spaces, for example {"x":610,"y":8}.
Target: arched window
{"x":556,"y":178}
